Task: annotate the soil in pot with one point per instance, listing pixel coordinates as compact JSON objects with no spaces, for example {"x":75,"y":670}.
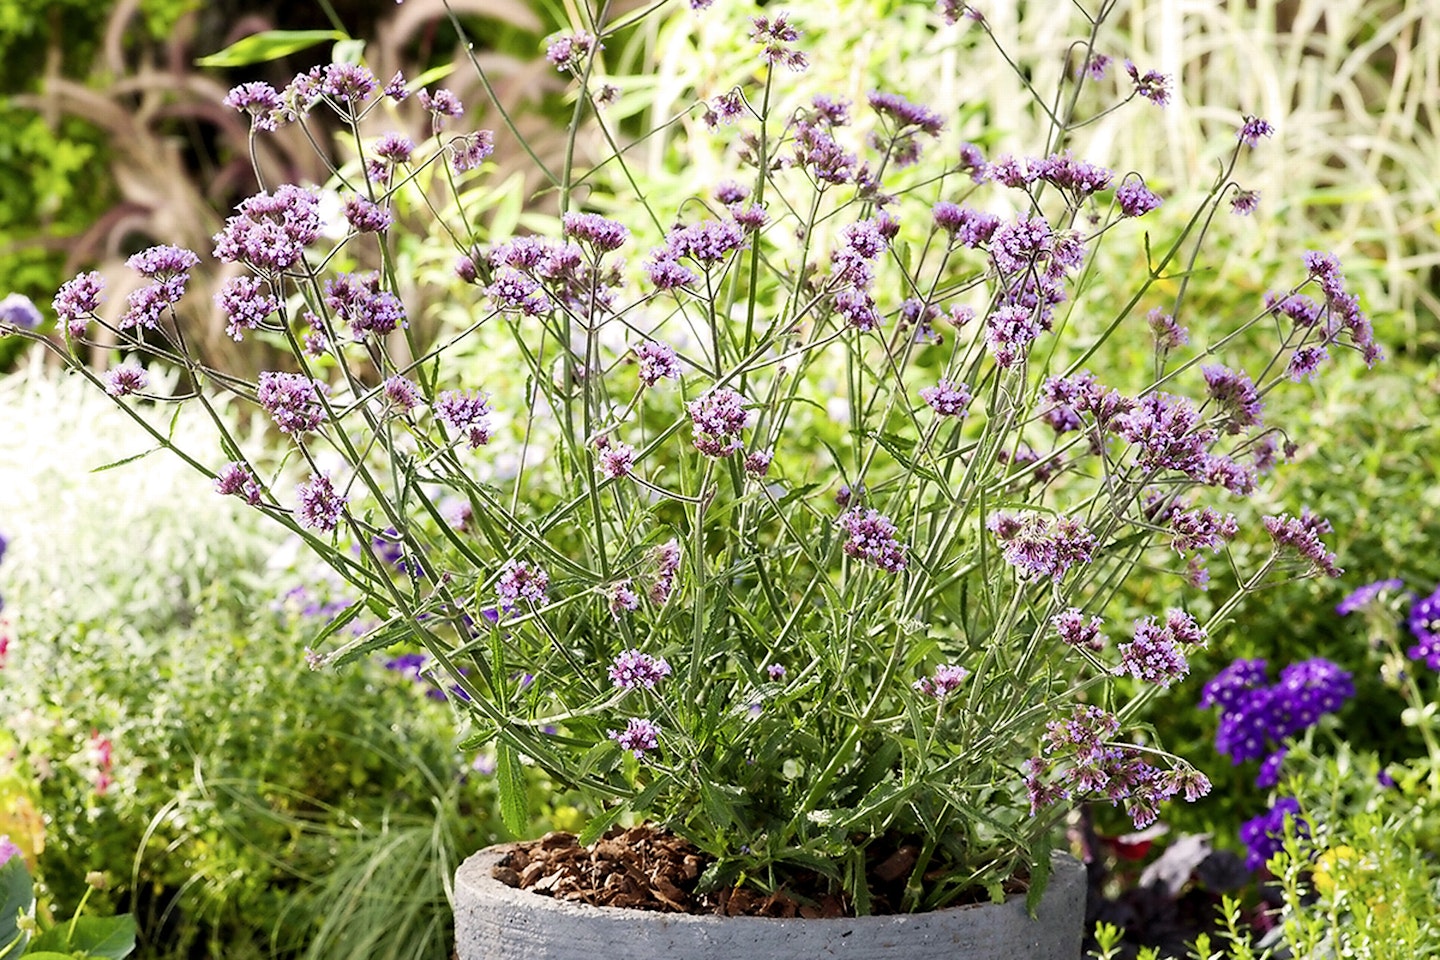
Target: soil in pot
{"x":643,"y":868}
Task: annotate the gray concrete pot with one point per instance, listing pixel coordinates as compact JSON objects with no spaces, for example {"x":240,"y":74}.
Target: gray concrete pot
{"x":497,"y":922}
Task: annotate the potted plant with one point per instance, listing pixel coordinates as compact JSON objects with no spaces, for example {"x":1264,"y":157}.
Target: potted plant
{"x":780,"y":524}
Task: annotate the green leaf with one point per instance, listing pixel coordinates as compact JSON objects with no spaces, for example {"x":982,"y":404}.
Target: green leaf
{"x":109,"y":937}
{"x":340,"y":621}
{"x":510,"y":776}
{"x":124,"y":460}
{"x":348,"y":51}
{"x":597,"y":826}
{"x":268,"y":45}
{"x":1039,"y":874}
{"x":17,"y":895}
{"x":381,"y":638}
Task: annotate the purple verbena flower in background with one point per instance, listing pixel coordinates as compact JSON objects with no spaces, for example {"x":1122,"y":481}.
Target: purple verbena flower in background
{"x":440,"y":104}
{"x":394,"y":148}
{"x":395,"y":88}
{"x":657,"y":362}
{"x":1269,"y":773}
{"x":356,"y":299}
{"x":904,"y":113}
{"x":1155,"y":655}
{"x":967,"y":227}
{"x":757,"y":463}
{"x":1236,"y":395}
{"x":126,"y":379}
{"x":466,"y":413}
{"x":320,"y":506}
{"x":1362,"y":597}
{"x":350,"y":83}
{"x":401,"y":394}
{"x":1424,"y":623}
{"x":1096,"y":65}
{"x":776,"y":671}
{"x":292,"y":400}
{"x":614,"y":460}
{"x":599,"y":233}
{"x":1264,"y":836}
{"x":19,"y":310}
{"x":1205,"y":528}
{"x":639,"y":737}
{"x":623,"y":598}
{"x":633,"y":668}
{"x":666,"y":558}
{"x":946,"y":680}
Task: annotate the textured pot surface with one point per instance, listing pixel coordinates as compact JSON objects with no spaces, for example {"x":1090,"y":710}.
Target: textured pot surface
{"x":497,"y":922}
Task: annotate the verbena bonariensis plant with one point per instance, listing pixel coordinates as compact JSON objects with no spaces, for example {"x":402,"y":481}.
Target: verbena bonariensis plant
{"x":645,"y":561}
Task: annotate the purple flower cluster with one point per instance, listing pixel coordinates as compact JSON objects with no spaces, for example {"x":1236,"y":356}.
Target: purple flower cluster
{"x":320,"y":506}
{"x":356,"y":299}
{"x":401,"y":394}
{"x":270,"y":231}
{"x":1264,"y":836}
{"x":870,"y":536}
{"x":1342,"y":309}
{"x":1362,"y":597}
{"x":1090,"y":765}
{"x":169,"y":270}
{"x":1156,"y":654}
{"x":1167,"y":432}
{"x":236,"y":480}
{"x":1135,"y":198}
{"x":947,"y":398}
{"x":633,"y":668}
{"x":1151,"y":85}
{"x":569,"y":51}
{"x":946,"y":680}
{"x":292,"y":400}
{"x":365,"y":216}
{"x":1302,"y":535}
{"x":470,"y":151}
{"x":639,"y":736}
{"x":1205,"y":528}
{"x":1167,"y":332}
{"x":667,"y":567}
{"x":519,"y":581}
{"x":614,"y":460}
{"x":707,"y":243}
{"x":77,"y":300}
{"x":966,"y":226}
{"x":258,"y":99}
{"x":1254,"y":715}
{"x":19,"y":310}
{"x":1073,"y":630}
{"x":245,"y":303}
{"x":776,"y":34}
{"x":1037,"y":546}
{"x":595,"y":231}
{"x":1253,"y":129}
{"x":126,"y":379}
{"x":719,"y":417}
{"x":657,"y":362}
{"x":467,"y":414}
{"x":1424,"y":623}
{"x":1235,"y":393}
